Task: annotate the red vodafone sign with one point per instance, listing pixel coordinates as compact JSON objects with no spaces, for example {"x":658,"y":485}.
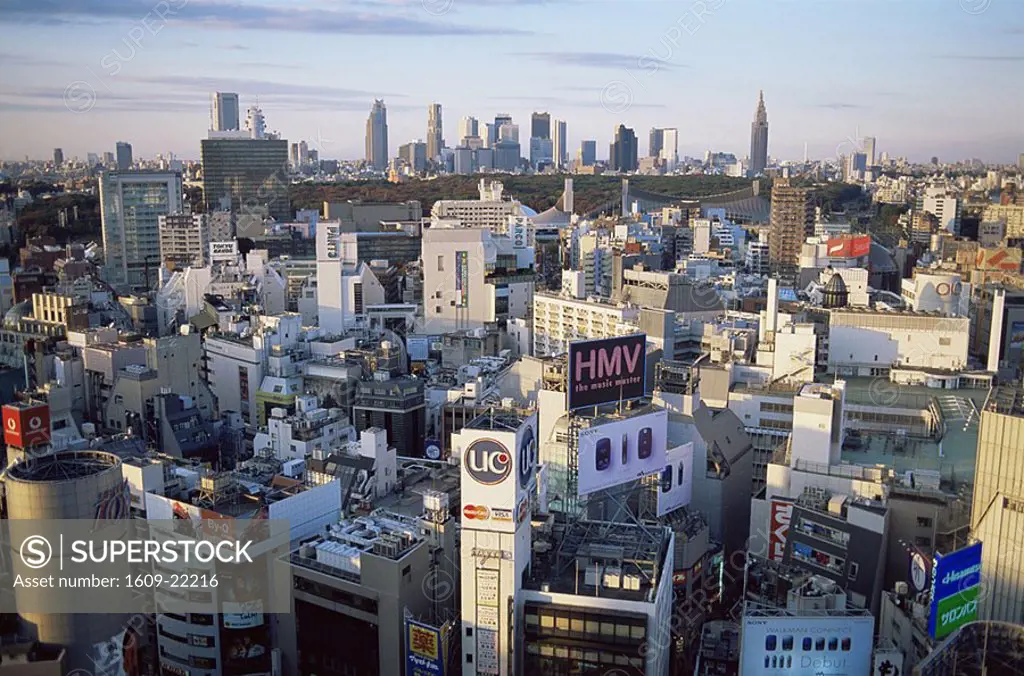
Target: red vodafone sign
{"x":26,"y":426}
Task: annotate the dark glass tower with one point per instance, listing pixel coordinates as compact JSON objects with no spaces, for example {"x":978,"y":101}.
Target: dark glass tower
{"x":759,"y":139}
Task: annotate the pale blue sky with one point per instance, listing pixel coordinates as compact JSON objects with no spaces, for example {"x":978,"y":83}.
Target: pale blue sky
{"x":926,"y":77}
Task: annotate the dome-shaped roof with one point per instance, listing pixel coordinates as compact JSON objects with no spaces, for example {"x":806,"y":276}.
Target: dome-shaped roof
{"x":835,"y":294}
{"x":836,"y":284}
{"x":17,"y":313}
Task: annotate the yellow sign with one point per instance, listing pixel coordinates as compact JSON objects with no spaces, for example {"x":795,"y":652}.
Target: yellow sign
{"x":423,"y":642}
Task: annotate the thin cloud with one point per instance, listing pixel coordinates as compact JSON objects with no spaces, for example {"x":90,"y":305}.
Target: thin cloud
{"x":602,"y":60}
{"x":982,"y":57}
{"x":235,"y":15}
{"x":839,"y":106}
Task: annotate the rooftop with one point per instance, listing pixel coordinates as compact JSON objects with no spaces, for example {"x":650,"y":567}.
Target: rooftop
{"x":600,"y":558}
{"x":339,"y":552}
{"x":1006,"y":400}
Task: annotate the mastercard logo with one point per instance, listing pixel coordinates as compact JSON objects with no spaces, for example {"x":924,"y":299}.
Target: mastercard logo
{"x":476,"y":512}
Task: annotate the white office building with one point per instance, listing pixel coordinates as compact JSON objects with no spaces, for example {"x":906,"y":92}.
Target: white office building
{"x":473,"y":278}
{"x":560,"y":320}
{"x":491,"y":211}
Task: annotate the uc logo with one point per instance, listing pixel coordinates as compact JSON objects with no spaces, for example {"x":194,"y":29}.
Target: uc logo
{"x":488,"y":462}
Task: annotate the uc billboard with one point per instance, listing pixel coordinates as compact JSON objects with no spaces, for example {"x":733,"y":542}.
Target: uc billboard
{"x":956,"y":578}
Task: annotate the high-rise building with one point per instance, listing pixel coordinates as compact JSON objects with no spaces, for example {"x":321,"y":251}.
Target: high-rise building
{"x":224,"y":112}
{"x":246,"y":176}
{"x":622,"y":155}
{"x":490,"y":135}
{"x":541,"y":152}
{"x":499,"y":120}
{"x":508,"y":132}
{"x":377,"y":136}
{"x":58,"y":157}
{"x":1020,"y":161}
{"x":468,"y":128}
{"x":414,"y":154}
{"x":792,"y":221}
{"x":869,"y":150}
{"x":184,"y":240}
{"x":255,"y":123}
{"x":131,"y":204}
{"x":108,"y":159}
{"x":559,"y":139}
{"x":654,"y":144}
{"x":588,"y":153}
{"x":997,"y":510}
{"x":759,"y":139}
{"x":540,"y":125}
{"x":435,"y":132}
{"x":664,"y":145}
{"x":124,"y":156}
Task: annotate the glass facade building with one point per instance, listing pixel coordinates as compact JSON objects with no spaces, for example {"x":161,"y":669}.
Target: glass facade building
{"x":251,"y":173}
{"x":131,"y":204}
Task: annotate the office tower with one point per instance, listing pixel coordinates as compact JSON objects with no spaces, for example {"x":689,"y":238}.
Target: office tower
{"x":255,"y":123}
{"x":588,"y":153}
{"x":246,"y":176}
{"x":108,"y":159}
{"x":377,"y":136}
{"x":124,"y":156}
{"x":295,"y":156}
{"x":654,"y":144}
{"x":464,"y":161}
{"x":468,"y":128}
{"x":792,"y":220}
{"x":869,"y":150}
{"x":997,"y":510}
{"x":131,"y":204}
{"x":541,"y":152}
{"x":540,"y":125}
{"x":304,"y":158}
{"x":759,"y":139}
{"x":58,"y":157}
{"x":92,"y":159}
{"x":435,"y":133}
{"x":224,"y":112}
{"x":669,"y":152}
{"x":622,"y":155}
{"x":415,"y":155}
{"x":490,"y":135}
{"x":508,"y":132}
{"x":500,"y":119}
{"x":1020,"y":161}
{"x":184,"y":240}
{"x":559,"y":139}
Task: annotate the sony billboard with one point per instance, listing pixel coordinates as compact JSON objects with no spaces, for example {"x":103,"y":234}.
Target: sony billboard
{"x":619,"y":451}
{"x":605,"y":370}
{"x":675,"y":489}
{"x":807,"y":645}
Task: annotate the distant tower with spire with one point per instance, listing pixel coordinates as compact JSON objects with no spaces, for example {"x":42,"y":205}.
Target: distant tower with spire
{"x":759,"y":138}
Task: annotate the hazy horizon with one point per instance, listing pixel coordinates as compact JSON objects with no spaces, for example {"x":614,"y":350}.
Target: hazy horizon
{"x":925,"y":77}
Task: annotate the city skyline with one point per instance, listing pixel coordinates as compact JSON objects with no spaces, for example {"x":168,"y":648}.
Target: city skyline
{"x":80,"y":78}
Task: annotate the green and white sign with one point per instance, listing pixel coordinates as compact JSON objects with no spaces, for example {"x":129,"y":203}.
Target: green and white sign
{"x":955,"y":611}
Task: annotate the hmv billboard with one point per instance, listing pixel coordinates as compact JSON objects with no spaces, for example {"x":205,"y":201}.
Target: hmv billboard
{"x":605,"y":370}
